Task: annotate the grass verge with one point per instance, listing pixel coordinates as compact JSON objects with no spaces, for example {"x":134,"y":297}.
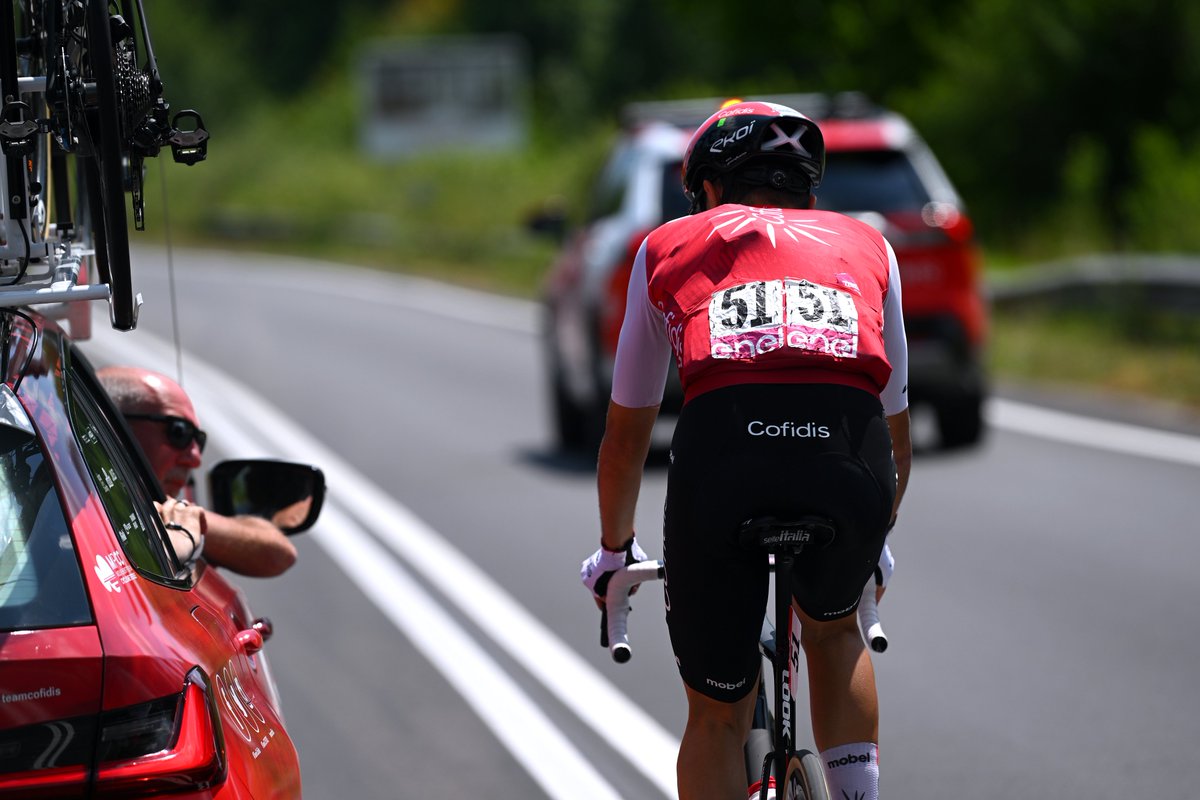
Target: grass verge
{"x":1133,"y":355}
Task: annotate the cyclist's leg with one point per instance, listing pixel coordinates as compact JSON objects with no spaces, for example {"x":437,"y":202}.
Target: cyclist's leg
{"x":841,"y":682}
{"x":857,"y":483}
{"x":710,"y":754}
{"x":716,"y":594}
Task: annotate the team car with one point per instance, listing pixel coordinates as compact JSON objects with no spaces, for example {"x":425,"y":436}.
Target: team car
{"x":127,"y":669}
{"x":124,"y":670}
{"x":877,"y":168}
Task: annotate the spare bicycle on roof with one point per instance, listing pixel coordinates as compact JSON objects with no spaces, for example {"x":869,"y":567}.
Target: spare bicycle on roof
{"x":82,"y":108}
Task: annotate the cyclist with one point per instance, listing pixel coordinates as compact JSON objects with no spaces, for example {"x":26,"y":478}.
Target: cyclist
{"x":785,"y":326}
{"x":164,"y":422}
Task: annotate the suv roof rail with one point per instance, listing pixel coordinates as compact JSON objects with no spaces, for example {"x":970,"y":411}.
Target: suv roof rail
{"x":691,"y":112}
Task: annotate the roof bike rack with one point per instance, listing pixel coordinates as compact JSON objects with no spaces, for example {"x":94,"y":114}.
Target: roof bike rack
{"x":80,"y":112}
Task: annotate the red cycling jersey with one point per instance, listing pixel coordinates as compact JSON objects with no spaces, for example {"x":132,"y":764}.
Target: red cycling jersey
{"x":767,"y":295}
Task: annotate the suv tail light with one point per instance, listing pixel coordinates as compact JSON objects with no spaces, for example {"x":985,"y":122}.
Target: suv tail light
{"x":612,"y":309}
{"x":940,"y":267}
{"x":936,"y":225}
{"x":174,"y":743}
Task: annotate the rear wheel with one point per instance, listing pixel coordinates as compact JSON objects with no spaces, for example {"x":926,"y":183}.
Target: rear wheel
{"x":960,"y":420}
{"x":577,"y":427}
{"x":805,"y":780}
{"x":570,"y":422}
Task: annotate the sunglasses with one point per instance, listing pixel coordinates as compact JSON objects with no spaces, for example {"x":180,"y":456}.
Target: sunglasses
{"x":180,"y":432}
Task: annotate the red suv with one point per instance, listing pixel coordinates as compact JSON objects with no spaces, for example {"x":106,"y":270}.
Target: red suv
{"x":124,"y":671}
{"x":877,"y":169}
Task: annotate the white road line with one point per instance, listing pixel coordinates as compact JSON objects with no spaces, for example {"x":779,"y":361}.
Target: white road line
{"x":1073,"y":429}
{"x":532,"y":738}
{"x":534,"y":741}
{"x":629,"y":730}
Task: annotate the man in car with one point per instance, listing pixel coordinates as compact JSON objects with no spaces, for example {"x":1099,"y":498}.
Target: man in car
{"x":786,"y":328}
{"x":163,"y":420}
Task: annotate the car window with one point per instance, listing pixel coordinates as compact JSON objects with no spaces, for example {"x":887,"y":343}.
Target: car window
{"x":123,"y":491}
{"x":608,"y":192}
{"x":674,"y":203}
{"x":40,"y":582}
{"x":870,"y":180}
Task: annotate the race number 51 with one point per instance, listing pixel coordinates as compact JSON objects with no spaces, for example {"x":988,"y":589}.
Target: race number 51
{"x":751,"y":319}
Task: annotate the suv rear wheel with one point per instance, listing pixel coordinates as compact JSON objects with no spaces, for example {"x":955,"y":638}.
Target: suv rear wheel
{"x":960,"y":420}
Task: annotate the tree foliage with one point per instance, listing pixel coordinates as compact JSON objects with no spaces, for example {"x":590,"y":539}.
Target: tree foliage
{"x":1030,"y":106}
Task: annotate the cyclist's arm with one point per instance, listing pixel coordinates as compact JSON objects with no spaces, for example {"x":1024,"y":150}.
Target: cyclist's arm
{"x":643,"y":356}
{"x":902,"y":453}
{"x":895,"y":394}
{"x":623,"y":453}
{"x":639,"y":376}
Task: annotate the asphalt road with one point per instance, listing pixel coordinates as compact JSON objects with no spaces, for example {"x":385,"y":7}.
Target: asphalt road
{"x":434,"y":641}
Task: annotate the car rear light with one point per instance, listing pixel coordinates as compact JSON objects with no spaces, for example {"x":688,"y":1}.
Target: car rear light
{"x":173,"y":743}
{"x":950,"y":220}
{"x":936,"y":225}
{"x":47,"y":759}
{"x":612,"y":309}
{"x":44,"y":784}
{"x":137,"y":730}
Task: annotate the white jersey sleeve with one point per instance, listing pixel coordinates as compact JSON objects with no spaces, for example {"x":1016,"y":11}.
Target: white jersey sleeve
{"x":643,"y":350}
{"x":895,"y":342}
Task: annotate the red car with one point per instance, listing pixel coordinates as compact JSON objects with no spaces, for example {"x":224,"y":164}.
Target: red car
{"x":124,"y":672}
{"x":877,"y":168}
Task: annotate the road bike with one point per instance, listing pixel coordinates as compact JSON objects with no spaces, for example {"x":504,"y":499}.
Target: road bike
{"x":82,"y":108}
{"x":771,"y":753}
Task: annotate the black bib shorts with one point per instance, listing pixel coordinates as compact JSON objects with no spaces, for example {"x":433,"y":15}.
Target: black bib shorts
{"x":767,"y":450}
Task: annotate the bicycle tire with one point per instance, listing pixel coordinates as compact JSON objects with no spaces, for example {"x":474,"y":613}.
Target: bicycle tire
{"x":109,"y":213}
{"x":805,"y":778}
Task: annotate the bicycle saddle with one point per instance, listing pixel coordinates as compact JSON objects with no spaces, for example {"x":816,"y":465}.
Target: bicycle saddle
{"x":775,"y":535}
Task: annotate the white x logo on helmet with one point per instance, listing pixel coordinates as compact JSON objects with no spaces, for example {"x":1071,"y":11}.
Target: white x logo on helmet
{"x":782,"y":139}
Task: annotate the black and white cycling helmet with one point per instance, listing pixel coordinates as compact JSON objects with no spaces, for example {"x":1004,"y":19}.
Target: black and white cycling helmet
{"x":775,"y":134}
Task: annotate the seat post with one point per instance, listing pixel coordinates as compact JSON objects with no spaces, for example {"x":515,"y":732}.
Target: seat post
{"x":785,"y":706}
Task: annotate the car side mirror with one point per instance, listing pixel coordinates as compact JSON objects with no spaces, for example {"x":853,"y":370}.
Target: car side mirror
{"x":288,"y":494}
{"x":549,"y":221}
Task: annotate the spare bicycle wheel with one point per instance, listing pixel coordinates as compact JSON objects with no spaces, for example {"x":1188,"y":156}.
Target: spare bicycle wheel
{"x":805,"y":779}
{"x":109,"y":214}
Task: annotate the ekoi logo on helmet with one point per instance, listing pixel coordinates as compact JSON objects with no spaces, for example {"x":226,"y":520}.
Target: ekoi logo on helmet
{"x":733,"y":137}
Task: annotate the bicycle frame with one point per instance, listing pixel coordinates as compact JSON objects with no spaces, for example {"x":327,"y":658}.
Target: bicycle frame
{"x":785,"y":662}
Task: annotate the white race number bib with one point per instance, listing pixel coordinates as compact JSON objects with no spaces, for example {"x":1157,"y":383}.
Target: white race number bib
{"x":750,"y":319}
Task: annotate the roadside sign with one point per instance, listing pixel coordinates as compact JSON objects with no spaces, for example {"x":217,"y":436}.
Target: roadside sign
{"x":443,"y":93}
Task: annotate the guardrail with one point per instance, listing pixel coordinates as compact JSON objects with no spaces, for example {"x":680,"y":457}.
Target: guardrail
{"x":1168,"y":282}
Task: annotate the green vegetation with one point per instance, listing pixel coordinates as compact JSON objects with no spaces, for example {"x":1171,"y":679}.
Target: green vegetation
{"x":1069,"y":125}
{"x":1126,"y":354}
{"x":463,"y":217}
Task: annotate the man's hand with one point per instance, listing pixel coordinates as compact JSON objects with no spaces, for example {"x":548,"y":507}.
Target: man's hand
{"x":597,"y":569}
{"x":186,"y":524}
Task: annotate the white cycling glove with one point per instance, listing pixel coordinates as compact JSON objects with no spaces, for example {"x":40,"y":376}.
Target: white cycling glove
{"x":885,"y":568}
{"x":597,"y":568}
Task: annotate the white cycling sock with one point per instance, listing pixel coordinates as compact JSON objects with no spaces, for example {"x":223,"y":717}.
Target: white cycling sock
{"x":852,"y":771}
